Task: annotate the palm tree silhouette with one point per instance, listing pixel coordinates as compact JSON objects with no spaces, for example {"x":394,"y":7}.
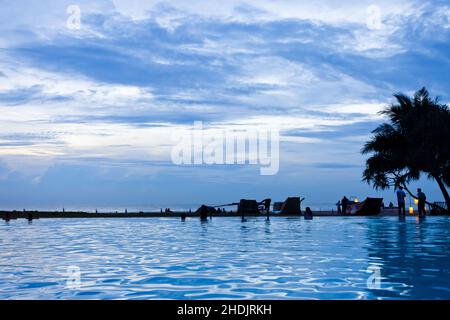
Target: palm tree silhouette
{"x":415,"y":141}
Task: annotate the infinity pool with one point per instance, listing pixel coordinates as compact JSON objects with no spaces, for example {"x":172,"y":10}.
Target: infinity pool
{"x":286,"y":258}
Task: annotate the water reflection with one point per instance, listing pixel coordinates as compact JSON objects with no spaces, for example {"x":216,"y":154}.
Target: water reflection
{"x":267,"y":228}
{"x":326,"y":258}
{"x":414,"y":257}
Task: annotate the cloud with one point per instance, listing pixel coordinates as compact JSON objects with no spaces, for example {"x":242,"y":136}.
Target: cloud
{"x":110,"y":94}
{"x":324,"y":11}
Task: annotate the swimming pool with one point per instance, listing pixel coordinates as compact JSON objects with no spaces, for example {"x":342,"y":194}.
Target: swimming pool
{"x":286,"y":258}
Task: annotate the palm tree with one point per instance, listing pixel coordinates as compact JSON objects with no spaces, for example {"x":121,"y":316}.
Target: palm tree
{"x":416,"y":141}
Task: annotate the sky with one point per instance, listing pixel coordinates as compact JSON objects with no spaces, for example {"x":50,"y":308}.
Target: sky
{"x":88,"y":109}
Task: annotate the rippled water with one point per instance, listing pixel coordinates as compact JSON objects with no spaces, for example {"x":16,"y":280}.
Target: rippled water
{"x":286,"y":258}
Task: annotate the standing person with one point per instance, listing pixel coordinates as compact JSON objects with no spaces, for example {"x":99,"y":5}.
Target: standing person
{"x":203,"y":213}
{"x":338,"y":205}
{"x":266,"y":204}
{"x":421,"y":205}
{"x":344,"y":204}
{"x":401,"y":201}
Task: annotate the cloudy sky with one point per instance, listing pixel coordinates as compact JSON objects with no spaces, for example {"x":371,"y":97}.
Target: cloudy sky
{"x":86,"y":114}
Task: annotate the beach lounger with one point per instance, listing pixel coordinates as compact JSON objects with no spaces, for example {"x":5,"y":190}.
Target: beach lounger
{"x":438,"y":208}
{"x":291,"y":206}
{"x":248,"y":207}
{"x":368,"y":207}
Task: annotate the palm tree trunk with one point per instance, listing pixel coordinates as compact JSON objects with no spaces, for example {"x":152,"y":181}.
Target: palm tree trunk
{"x":443,"y":190}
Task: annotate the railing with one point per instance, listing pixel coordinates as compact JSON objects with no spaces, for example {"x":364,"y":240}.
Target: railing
{"x":438,"y":208}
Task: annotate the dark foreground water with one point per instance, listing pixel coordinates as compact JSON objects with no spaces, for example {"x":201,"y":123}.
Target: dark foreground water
{"x":286,"y":258}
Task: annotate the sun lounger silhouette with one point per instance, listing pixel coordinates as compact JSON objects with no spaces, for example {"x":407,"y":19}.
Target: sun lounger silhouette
{"x":368,"y":207}
{"x":291,"y":206}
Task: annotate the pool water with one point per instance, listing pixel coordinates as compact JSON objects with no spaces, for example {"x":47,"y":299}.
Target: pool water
{"x":286,"y":258}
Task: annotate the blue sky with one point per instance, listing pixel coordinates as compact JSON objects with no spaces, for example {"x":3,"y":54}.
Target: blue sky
{"x":86,"y":115}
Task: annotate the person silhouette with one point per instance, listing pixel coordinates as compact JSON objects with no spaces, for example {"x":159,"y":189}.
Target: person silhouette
{"x":308,"y":214}
{"x":266,"y":204}
{"x":338,"y":205}
{"x":422,"y":198}
{"x":203,"y":213}
{"x":401,"y":201}
{"x":344,"y":204}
